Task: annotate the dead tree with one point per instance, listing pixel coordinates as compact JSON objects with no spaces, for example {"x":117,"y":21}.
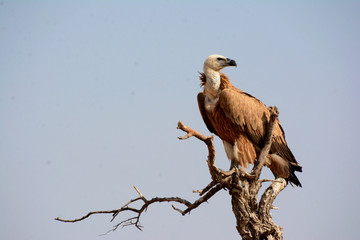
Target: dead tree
{"x":253,"y":219}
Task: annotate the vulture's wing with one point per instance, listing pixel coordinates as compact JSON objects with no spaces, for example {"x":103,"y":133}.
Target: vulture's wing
{"x":252,"y":116}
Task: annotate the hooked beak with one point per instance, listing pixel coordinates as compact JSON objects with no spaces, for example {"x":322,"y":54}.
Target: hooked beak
{"x":231,"y":62}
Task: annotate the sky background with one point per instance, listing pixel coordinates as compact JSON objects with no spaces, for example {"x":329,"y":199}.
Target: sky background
{"x":91,"y":93}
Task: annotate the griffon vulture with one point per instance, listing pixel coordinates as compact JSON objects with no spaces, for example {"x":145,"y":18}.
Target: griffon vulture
{"x":241,"y":120}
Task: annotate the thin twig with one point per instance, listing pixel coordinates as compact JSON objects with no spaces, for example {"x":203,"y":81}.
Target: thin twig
{"x":138,"y":191}
{"x":86,"y":216}
{"x":207,"y":188}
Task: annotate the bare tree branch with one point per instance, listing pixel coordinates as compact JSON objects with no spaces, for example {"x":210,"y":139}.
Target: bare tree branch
{"x":86,"y":216}
{"x":146,"y":203}
{"x":201,"y":200}
{"x":274,"y":113}
{"x":253,"y":219}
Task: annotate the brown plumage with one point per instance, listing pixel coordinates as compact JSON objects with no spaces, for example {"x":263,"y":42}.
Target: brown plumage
{"x":241,"y":120}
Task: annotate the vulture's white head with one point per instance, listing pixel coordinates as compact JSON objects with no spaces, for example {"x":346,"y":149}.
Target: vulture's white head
{"x":217,"y":62}
{"x":212,"y":66}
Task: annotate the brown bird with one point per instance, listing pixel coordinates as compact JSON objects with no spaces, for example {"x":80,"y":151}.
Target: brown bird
{"x":241,"y":120}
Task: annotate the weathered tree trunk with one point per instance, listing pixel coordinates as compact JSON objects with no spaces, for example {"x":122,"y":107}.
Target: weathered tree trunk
{"x":253,"y":220}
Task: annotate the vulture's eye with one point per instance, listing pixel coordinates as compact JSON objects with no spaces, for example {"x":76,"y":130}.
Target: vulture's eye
{"x":220,"y":59}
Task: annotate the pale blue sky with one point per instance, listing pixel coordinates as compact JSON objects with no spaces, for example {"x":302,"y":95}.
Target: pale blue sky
{"x":91,"y":93}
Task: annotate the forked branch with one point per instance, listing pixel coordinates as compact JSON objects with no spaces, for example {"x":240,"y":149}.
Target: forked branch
{"x":146,"y":203}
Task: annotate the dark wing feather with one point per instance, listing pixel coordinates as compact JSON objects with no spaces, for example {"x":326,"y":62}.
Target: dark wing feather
{"x":201,"y":103}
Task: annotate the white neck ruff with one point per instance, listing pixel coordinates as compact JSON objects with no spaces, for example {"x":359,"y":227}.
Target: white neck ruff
{"x":212,"y":84}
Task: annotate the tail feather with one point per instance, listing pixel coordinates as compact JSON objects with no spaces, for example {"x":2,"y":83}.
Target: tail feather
{"x":293,"y":178}
{"x":283,"y":168}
